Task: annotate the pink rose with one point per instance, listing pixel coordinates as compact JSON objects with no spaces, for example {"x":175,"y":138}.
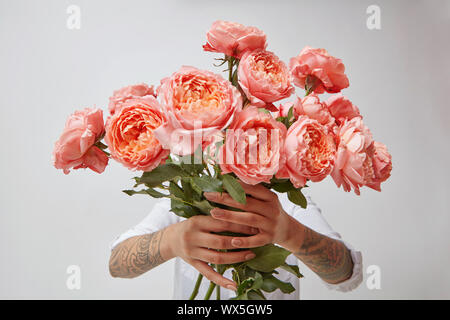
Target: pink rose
{"x":316,"y":69}
{"x":75,"y":148}
{"x":355,"y":146}
{"x":309,"y":151}
{"x":341,"y":108}
{"x":312,"y":107}
{"x":234,"y":39}
{"x":377,"y":166}
{"x":264,"y":78}
{"x":198,"y":104}
{"x":120,"y":96}
{"x":130,"y":134}
{"x":252,"y":147}
{"x":284,"y":109}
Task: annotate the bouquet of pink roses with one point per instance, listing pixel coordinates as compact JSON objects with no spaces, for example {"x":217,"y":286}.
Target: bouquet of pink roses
{"x":198,"y":132}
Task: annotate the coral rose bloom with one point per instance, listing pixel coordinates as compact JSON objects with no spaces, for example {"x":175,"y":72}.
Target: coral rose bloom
{"x":252,"y":147}
{"x":377,"y":166}
{"x":198,"y":104}
{"x":120,"y":96}
{"x":341,"y":108}
{"x":283,"y":110}
{"x":309,"y":151}
{"x":264,"y":78}
{"x":316,"y":68}
{"x":234,"y":39}
{"x":355,"y":146}
{"x":130,"y":137}
{"x":312,"y":107}
{"x":75,"y":148}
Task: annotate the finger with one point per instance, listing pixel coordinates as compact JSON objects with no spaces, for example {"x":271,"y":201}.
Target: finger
{"x":210,"y":224}
{"x":258,"y":240}
{"x":214,"y":241}
{"x":259,"y":192}
{"x":252,"y":205}
{"x":224,"y":198}
{"x":217,"y":257}
{"x":210,"y":274}
{"x":242,"y":217}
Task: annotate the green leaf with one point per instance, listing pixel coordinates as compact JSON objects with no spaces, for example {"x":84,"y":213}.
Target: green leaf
{"x":192,"y":168}
{"x":271,"y":283}
{"x":164,"y":172}
{"x":207,"y":184}
{"x":182,"y":209}
{"x":250,"y":287}
{"x":251,"y":283}
{"x":268,"y":258}
{"x":255,"y":295}
{"x":195,"y":187}
{"x":296,"y":196}
{"x":233,"y":187}
{"x":187,"y":190}
{"x":292,"y":269}
{"x":132,"y":192}
{"x":155,"y":194}
{"x":204,"y":206}
{"x":149,"y":191}
{"x":258,"y":281}
{"x":176,"y":190}
{"x":282,"y":187}
{"x":243,"y":286}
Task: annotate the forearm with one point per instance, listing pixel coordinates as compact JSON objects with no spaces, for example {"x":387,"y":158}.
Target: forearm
{"x":139,"y":254}
{"x":330,"y":259}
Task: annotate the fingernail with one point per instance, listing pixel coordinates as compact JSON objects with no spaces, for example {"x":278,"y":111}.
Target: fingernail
{"x":231,"y":287}
{"x":250,"y":256}
{"x":216,"y":212}
{"x":255,"y":230}
{"x":209,"y":194}
{"x":236,"y":242}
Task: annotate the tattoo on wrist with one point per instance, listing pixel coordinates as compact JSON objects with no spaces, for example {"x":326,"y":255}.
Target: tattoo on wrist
{"x":136,"y":255}
{"x":328,"y":258}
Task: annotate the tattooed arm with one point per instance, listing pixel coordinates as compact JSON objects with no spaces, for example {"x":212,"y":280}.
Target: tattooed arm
{"x":191,"y":240}
{"x":330,"y":259}
{"x":136,"y":255}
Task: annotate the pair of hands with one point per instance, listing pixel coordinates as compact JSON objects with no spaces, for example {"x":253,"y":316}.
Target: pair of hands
{"x":263,"y":219}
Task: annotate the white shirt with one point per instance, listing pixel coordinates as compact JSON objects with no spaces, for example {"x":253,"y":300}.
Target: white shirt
{"x":185,"y":275}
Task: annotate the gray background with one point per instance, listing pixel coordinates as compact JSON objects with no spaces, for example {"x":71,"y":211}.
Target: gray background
{"x":398,"y":78}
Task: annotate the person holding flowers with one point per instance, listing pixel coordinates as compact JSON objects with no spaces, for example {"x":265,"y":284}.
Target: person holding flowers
{"x":232,"y":162}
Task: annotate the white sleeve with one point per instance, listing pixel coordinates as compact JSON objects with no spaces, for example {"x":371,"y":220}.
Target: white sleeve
{"x":159,"y":218}
{"x":312,"y":218}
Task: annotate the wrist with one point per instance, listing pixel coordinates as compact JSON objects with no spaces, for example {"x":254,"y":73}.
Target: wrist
{"x":293,"y":233}
{"x":168,"y":243}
